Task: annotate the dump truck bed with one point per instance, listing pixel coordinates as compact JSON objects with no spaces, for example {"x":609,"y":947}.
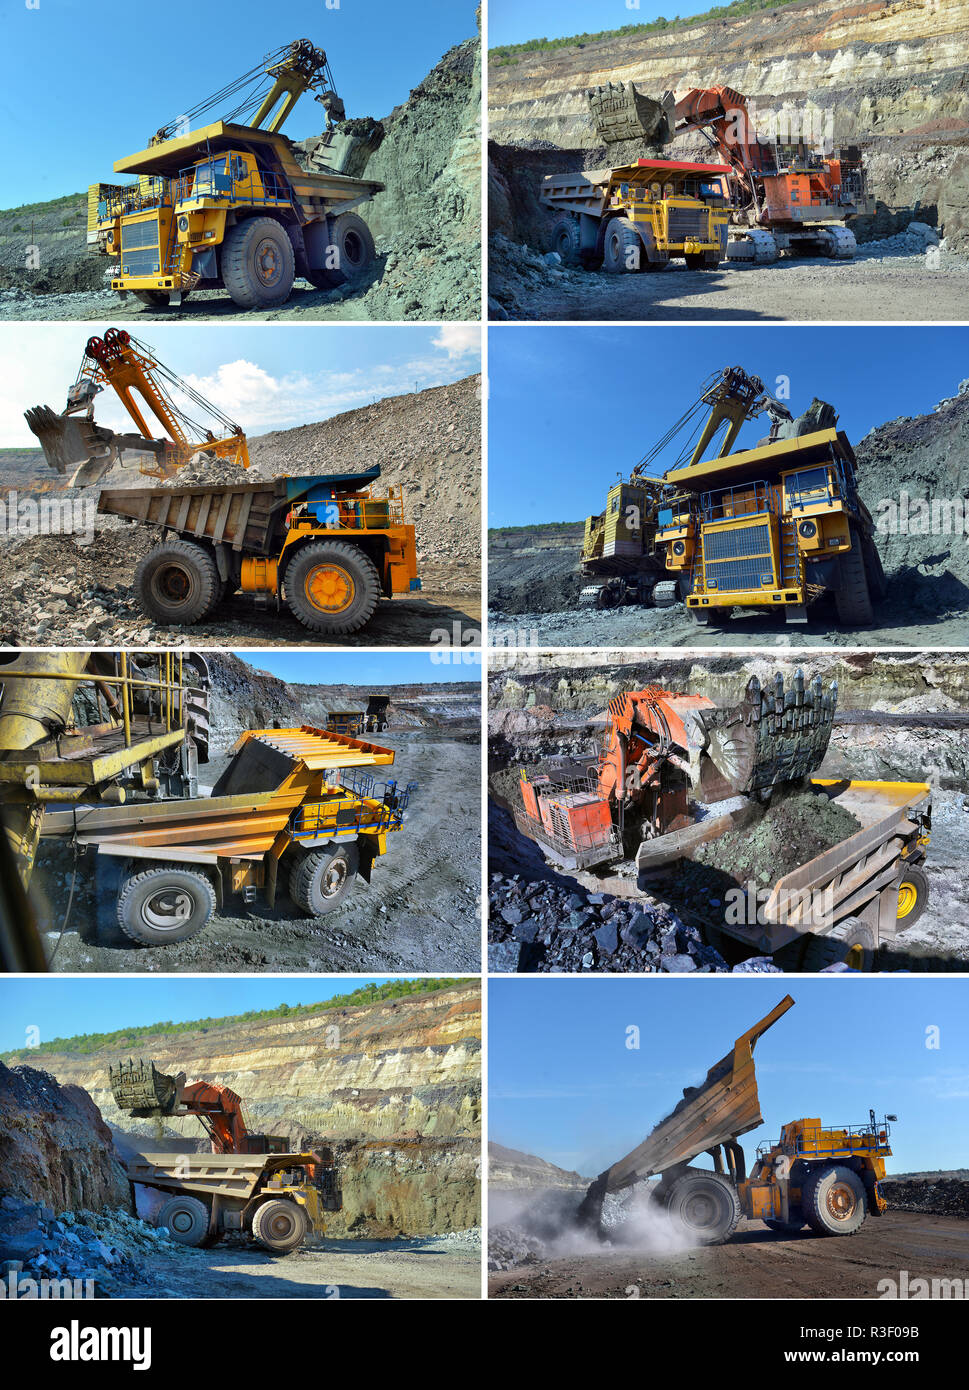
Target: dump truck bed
{"x":253,"y":801}
{"x":725,"y":1106}
{"x":227,"y":1175}
{"x":244,"y":516}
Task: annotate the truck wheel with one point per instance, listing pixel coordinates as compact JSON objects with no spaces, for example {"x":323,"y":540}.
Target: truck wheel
{"x":353,"y":240}
{"x":852,"y":597}
{"x":332,"y":587}
{"x":178,"y":582}
{"x":706,"y":1206}
{"x":834,"y":1201}
{"x":622,"y":250}
{"x":913,"y":895}
{"x":280,"y":1226}
{"x":258,"y":263}
{"x":851,"y":942}
{"x":874,"y":571}
{"x":187,"y":1220}
{"x":163,"y":905}
{"x":565,"y":240}
{"x":321,"y":879}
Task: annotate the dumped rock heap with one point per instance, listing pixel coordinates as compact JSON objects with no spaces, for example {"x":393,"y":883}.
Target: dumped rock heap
{"x":107,"y":1248}
{"x":941,"y":1197}
{"x":546,"y":926}
{"x":789,"y":832}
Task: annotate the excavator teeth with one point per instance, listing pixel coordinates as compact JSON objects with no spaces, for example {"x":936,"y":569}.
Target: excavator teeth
{"x":776,"y":735}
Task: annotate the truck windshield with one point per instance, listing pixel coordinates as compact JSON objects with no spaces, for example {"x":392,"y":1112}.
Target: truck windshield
{"x":808,"y":480}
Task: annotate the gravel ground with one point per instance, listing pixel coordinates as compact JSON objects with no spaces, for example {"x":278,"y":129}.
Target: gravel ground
{"x":883,"y":282}
{"x":420,"y":912}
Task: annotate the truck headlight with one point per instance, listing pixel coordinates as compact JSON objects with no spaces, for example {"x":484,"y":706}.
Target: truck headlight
{"x":808,"y":529}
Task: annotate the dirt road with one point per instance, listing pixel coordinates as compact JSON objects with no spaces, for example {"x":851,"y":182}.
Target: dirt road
{"x":757,"y":1264}
{"x":874,"y":286}
{"x":419,"y":1267}
{"x":421,"y":911}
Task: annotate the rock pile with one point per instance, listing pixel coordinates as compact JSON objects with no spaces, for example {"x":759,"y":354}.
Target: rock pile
{"x":940,"y":1197}
{"x":107,"y":1249}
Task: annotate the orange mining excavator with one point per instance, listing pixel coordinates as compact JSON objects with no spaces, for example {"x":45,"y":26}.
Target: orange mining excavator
{"x":141,"y":1090}
{"x":661,"y":753}
{"x":74,"y":441}
{"x":787,"y":195}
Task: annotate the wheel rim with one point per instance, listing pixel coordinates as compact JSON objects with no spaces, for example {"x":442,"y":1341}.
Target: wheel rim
{"x":353,"y":252}
{"x":167,"y":909}
{"x":907,"y":898}
{"x":174,"y":583}
{"x":839,"y":1202}
{"x":563,"y":243}
{"x":282,"y":1225}
{"x":333,"y":878}
{"x":269,"y":263}
{"x":701,"y":1211}
{"x":855,"y":957}
{"x":329,"y":588}
{"x":181,"y":1221}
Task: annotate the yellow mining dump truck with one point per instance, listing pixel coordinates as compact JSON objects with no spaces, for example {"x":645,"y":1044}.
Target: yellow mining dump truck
{"x":825,"y":1177}
{"x":228,"y":204}
{"x":775,"y":527}
{"x":640,"y":216}
{"x":328,"y":546}
{"x":274,"y":1198}
{"x":298,"y":800}
{"x":346,"y":721}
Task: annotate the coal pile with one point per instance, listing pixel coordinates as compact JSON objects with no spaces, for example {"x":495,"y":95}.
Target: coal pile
{"x":105,"y":1249}
{"x":938,"y":1197}
{"x":793,"y":829}
{"x":547,"y":926}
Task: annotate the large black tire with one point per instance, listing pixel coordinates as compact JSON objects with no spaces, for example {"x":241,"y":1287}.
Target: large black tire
{"x":851,"y":943}
{"x":706,"y":1206}
{"x":913,"y":896}
{"x":321,"y":878}
{"x":165,"y":904}
{"x":280,"y":1226}
{"x":565,"y":240}
{"x":852,"y":597}
{"x":834,"y":1201}
{"x":332,"y":587}
{"x":877,"y":583}
{"x":178,"y":582}
{"x":258,"y":263}
{"x":355,"y":253}
{"x":187,"y":1220}
{"x":622,"y":251}
{"x":157,"y":299}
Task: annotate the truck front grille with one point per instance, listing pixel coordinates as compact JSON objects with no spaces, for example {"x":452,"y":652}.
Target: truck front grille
{"x":738,"y":559}
{"x":135,"y":234}
{"x":687,"y":222}
{"x":140,"y":262}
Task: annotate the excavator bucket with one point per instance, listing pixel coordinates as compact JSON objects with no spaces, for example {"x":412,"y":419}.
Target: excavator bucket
{"x":725,"y":1106}
{"x":72,"y":444}
{"x":139,"y":1088}
{"x":775,"y":735}
{"x":620,"y":112}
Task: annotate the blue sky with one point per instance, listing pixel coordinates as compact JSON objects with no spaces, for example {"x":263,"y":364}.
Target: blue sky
{"x":64,"y":1008}
{"x":263,"y":377}
{"x":564,"y":1086}
{"x":510,"y":21}
{"x":84,"y":85}
{"x":360,"y":668}
{"x":572,"y":407}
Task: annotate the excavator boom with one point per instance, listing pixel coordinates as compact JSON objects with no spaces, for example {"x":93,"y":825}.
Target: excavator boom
{"x":140,"y":1089}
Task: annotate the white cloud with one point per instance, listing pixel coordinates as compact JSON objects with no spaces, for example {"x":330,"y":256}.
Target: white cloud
{"x":458,"y":339}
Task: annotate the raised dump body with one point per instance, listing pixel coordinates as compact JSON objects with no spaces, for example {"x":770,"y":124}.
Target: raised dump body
{"x":717,"y":1112}
{"x":301,"y":798}
{"x":328,"y":546}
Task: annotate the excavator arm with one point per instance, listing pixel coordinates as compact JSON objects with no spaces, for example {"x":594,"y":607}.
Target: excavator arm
{"x":140,"y":1089}
{"x":147,"y":389}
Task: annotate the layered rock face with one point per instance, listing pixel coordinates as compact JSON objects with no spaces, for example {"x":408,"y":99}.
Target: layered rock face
{"x":55,"y":1148}
{"x":889,"y":75}
{"x":395,"y":1085}
{"x":513,"y":1170}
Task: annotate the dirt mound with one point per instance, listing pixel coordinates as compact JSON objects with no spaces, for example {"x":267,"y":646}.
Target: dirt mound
{"x":940,"y":1197}
{"x":794,"y":828}
{"x":55,"y":1148}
